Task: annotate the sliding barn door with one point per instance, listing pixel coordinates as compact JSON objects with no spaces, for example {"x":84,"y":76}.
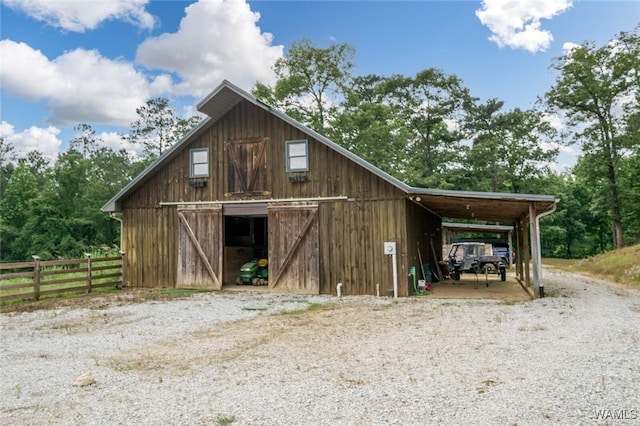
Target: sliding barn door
{"x":200,"y":239}
{"x":294,"y":262}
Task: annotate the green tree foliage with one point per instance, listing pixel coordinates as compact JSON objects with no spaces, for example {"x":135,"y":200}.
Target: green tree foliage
{"x":158,"y":127}
{"x":39,"y":166}
{"x":597,"y":90}
{"x":310,"y":83}
{"x":371,"y":127}
{"x":507,"y":152}
{"x":575,"y":229}
{"x":430,"y":107}
{"x":55,"y":211}
{"x":629,"y":176}
{"x":7,"y":155}
{"x":20,"y":191}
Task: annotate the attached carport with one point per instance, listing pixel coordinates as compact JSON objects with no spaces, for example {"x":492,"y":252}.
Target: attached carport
{"x":521,"y":211}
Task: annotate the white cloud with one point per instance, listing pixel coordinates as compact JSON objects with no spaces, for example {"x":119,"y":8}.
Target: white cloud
{"x":568,"y":46}
{"x":554,"y":120}
{"x":550,"y":145}
{"x":217,"y":39}
{"x":114,"y":141}
{"x":79,"y":86}
{"x":32,"y":139}
{"x":82,"y":15}
{"x":516,"y":24}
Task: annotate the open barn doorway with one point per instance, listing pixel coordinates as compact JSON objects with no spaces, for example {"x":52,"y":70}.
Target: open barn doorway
{"x":245,"y":240}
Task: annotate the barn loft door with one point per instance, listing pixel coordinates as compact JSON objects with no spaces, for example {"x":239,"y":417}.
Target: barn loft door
{"x":200,"y":239}
{"x":247,"y":169}
{"x":294,"y":263}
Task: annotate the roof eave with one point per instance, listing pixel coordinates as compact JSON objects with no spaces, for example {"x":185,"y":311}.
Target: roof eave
{"x":488,"y":195}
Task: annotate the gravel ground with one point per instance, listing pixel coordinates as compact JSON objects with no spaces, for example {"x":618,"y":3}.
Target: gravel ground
{"x":265,"y":359}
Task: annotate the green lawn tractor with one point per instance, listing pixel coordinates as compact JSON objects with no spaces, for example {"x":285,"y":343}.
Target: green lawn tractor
{"x":255,"y":272}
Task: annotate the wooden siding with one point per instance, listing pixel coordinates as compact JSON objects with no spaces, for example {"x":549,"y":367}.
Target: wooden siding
{"x":330,"y":173}
{"x":152,"y":236}
{"x":352,"y":241}
{"x":351,"y":232}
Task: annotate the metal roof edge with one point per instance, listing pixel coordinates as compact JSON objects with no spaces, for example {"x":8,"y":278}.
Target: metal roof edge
{"x":487,"y":195}
{"x":111,"y":205}
{"x":226,"y":84}
{"x":461,"y":225}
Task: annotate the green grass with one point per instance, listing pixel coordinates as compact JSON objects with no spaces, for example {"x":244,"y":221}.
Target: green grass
{"x":225,"y":420}
{"x":621,"y":266}
{"x":77,"y":279}
{"x":65,"y":295}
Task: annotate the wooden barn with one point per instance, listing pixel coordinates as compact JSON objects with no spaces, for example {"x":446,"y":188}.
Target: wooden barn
{"x":250,"y":182}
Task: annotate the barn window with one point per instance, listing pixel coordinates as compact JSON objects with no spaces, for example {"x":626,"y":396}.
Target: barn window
{"x":297,"y":156}
{"x":199,"y":163}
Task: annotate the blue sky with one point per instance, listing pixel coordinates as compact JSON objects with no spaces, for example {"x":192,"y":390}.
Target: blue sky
{"x":66,"y":62}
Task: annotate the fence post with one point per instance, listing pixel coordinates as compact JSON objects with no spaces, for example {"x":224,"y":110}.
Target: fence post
{"x":88,"y":255}
{"x":123,"y":270}
{"x":36,"y":277}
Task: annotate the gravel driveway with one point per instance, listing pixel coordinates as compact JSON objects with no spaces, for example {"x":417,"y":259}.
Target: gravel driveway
{"x":265,"y":359}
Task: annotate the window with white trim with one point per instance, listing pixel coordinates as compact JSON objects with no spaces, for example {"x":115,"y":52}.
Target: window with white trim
{"x":297,"y":153}
{"x":199,"y":163}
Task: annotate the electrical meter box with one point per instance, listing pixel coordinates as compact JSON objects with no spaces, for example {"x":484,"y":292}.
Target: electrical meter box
{"x":390,"y":247}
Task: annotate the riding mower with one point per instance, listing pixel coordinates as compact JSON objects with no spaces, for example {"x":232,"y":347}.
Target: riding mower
{"x":255,"y":272}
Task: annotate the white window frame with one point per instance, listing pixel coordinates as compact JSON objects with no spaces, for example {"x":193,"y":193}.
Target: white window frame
{"x":193,"y":163}
{"x":289,"y":157}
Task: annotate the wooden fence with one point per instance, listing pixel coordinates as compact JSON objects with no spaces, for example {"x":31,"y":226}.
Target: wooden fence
{"x":32,"y":280}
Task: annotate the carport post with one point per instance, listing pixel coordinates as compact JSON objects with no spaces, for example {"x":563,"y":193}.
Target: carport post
{"x":535,"y":251}
{"x":537,"y":266}
{"x":510,"y":252}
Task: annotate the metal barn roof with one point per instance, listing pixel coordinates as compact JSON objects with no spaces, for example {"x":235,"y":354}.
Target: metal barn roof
{"x":481,"y":206}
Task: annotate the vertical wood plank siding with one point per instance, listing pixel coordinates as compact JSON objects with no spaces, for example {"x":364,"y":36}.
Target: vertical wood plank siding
{"x":351,"y":233}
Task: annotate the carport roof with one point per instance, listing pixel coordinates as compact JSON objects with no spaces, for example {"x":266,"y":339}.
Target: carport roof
{"x":481,"y":206}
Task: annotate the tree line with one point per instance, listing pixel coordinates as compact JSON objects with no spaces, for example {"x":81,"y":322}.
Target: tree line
{"x":427,"y":130}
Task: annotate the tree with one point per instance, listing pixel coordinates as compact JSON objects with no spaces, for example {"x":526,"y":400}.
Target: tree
{"x":431,"y":106}
{"x":485,"y":127}
{"x":21,"y":188}
{"x":310,"y":82}
{"x":370,"y":127}
{"x":109,"y":171}
{"x":564,"y":233}
{"x":158,"y":127}
{"x":596,"y":92}
{"x":507,"y":151}
{"x":523,"y":154}
{"x":39,"y":166}
{"x":7,"y":156}
{"x":629,"y":178}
